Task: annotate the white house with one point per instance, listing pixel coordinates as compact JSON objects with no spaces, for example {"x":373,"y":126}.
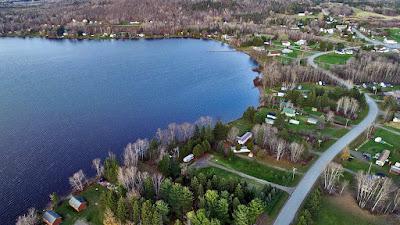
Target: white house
{"x":301,"y":42}
{"x":269,"y":121}
{"x":396,"y":117}
{"x":312,"y":120}
{"x":382,"y":158}
{"x":295,"y":122}
{"x":243,"y":139}
{"x":349,"y":52}
{"x":286,"y":51}
{"x":286,"y":43}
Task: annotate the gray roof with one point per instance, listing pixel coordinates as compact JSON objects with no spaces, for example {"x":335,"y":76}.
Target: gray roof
{"x":50,"y":216}
{"x":76,"y":201}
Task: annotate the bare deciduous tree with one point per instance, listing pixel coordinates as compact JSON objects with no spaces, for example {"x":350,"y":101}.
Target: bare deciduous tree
{"x":296,"y":150}
{"x":96,"y":163}
{"x":30,"y":218}
{"x":78,"y":181}
{"x":157,"y":180}
{"x":232,"y":134}
{"x":332,"y":174}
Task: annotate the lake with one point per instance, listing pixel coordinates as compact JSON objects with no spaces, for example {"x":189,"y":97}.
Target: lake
{"x":66,"y":102}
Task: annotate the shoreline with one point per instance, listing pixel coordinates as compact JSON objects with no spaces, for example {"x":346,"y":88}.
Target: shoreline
{"x":68,"y":193}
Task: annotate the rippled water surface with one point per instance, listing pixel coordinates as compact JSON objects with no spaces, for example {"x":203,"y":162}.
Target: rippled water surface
{"x":63,"y":103}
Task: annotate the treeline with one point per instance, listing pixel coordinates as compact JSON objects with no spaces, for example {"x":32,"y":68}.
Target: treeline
{"x":371,"y":67}
{"x":198,"y":198}
{"x":286,"y":75}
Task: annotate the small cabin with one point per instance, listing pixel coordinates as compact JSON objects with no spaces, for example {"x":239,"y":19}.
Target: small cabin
{"x":51,"y":218}
{"x":382,"y":158}
{"x":77,"y":203}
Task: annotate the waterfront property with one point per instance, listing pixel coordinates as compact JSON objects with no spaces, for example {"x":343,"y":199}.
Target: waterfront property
{"x":100,"y":95}
{"x":78,"y":203}
{"x":244,"y":138}
{"x":51,"y":218}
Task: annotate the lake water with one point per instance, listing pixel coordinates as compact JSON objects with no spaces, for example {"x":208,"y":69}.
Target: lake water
{"x":64,"y":103}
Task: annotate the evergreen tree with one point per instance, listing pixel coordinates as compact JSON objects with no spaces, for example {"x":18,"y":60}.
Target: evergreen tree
{"x":222,"y":210}
{"x":121,"y":212}
{"x":256,"y":208}
{"x":240,"y":215}
{"x":148,"y":189}
{"x":163,"y":209}
{"x":157,"y":218}
{"x":220,"y":131}
{"x":111,"y":169}
{"x":164,"y":165}
{"x":147,"y":213}
{"x":136,"y":211}
{"x":239,"y":192}
{"x":200,"y":218}
{"x":235,"y":203}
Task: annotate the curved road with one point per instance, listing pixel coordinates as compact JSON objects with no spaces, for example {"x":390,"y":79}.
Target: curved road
{"x":289,"y":211}
{"x":374,"y":42}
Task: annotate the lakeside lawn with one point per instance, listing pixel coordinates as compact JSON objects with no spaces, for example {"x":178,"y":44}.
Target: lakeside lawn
{"x":393,"y":141}
{"x":92,"y":214}
{"x":258,"y":170}
{"x":333,"y":58}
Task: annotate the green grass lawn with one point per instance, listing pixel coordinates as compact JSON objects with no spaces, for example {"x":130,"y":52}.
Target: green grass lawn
{"x":394,"y":140}
{"x":333,"y":58}
{"x":242,"y":124}
{"x":394,"y":33}
{"x":93,"y":213}
{"x":225,"y":174}
{"x":332,"y":214}
{"x":257,"y":170}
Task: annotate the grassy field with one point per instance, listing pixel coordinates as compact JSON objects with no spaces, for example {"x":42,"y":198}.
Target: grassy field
{"x":333,"y":58}
{"x":93,"y":213}
{"x":257,"y":170}
{"x":223,"y":173}
{"x":393,"y":141}
{"x":343,"y":211}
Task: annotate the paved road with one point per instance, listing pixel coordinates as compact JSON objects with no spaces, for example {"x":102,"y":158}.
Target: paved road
{"x":289,"y":211}
{"x":374,"y":42}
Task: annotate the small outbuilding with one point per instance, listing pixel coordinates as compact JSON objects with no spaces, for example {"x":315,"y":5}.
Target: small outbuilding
{"x":51,"y":218}
{"x":286,"y":43}
{"x":312,"y":120}
{"x":78,"y":203}
{"x":395,"y":168}
{"x":289,"y":112}
{"x":382,"y":158}
{"x":295,"y":122}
